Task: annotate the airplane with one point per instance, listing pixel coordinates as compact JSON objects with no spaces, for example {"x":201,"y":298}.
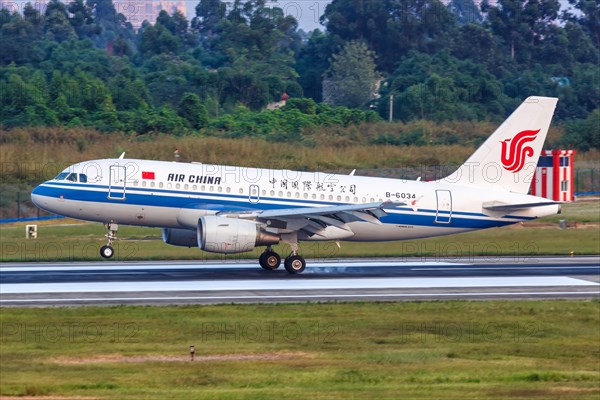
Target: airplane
{"x":228,"y":209}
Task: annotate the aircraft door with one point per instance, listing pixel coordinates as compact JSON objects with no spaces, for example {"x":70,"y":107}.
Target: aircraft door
{"x":253,"y":194}
{"x":443,"y":214}
{"x":116,"y":182}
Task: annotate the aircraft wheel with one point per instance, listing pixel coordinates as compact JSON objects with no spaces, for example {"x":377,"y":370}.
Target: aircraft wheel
{"x":107,"y":251}
{"x":295,"y":264}
{"x":269,"y":260}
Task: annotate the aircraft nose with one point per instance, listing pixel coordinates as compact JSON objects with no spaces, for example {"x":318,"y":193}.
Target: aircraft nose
{"x":35,"y":196}
{"x":38,"y":199}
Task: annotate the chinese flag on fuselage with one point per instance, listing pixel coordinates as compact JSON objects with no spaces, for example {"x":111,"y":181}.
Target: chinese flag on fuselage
{"x":147,"y":175}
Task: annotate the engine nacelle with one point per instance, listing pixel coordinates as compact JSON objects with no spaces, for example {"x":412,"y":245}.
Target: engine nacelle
{"x":231,"y":235}
{"x":180,"y":237}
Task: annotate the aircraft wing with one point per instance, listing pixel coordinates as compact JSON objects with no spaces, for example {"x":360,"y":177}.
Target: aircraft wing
{"x":314,"y":220}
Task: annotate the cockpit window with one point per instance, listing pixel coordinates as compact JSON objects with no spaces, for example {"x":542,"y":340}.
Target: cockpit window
{"x":72,"y":177}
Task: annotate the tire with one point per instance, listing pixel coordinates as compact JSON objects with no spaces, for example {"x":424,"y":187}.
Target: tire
{"x":295,"y":264}
{"x":107,"y":251}
{"x":269,"y":260}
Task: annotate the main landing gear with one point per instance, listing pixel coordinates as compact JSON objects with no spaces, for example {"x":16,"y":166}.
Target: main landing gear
{"x":108,"y":251}
{"x":294,"y":263}
{"x":269,"y":260}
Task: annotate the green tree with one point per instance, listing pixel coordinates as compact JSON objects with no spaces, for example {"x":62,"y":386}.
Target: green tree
{"x":583,"y":134}
{"x":466,"y":11}
{"x":522,"y":25}
{"x":193,"y":111}
{"x":56,"y":22}
{"x":82,"y":19}
{"x":442,"y":87}
{"x":157,"y":39}
{"x":113,"y":25}
{"x":392,"y":28}
{"x":19,"y":36}
{"x":588,"y":17}
{"x":312,"y":62}
{"x":352,"y":79}
{"x":255,"y":44}
{"x":474,"y":42}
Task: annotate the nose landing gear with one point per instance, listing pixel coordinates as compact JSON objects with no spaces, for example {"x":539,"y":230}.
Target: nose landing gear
{"x":108,"y":251}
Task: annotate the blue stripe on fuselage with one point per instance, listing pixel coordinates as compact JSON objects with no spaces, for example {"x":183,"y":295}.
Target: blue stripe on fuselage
{"x":166,"y":198}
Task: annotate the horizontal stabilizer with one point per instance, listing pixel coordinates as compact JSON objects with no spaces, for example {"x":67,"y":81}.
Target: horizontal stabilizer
{"x":503,"y":207}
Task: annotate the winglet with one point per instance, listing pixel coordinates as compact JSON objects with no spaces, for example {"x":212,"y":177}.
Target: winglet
{"x":122,"y":156}
{"x":352,"y":173}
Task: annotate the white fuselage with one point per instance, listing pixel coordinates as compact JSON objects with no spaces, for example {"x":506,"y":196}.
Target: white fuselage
{"x":175,"y":195}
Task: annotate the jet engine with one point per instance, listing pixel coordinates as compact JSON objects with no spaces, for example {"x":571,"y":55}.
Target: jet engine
{"x":232,"y":235}
{"x":180,"y":237}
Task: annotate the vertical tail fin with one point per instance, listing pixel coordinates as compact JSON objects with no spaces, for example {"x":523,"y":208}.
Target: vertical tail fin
{"x":508,"y":158}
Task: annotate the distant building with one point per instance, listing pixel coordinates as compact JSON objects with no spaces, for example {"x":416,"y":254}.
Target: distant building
{"x":138,"y":11}
{"x":554,"y":175}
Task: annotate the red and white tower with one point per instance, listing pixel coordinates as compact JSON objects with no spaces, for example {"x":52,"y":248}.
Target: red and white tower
{"x":554,"y":175}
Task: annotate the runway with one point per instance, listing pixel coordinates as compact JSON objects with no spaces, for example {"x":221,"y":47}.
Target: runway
{"x":208,"y":282}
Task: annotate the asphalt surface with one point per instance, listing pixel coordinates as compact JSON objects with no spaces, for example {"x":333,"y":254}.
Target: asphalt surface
{"x":193,"y":282}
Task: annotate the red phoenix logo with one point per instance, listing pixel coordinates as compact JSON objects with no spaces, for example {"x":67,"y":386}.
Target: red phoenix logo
{"x":513,"y":156}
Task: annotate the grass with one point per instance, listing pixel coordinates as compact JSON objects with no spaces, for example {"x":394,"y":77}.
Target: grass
{"x":82,"y":241}
{"x":36,"y":154}
{"x":452,"y":350}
